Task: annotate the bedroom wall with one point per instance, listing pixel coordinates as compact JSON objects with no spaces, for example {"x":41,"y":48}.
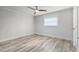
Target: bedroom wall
{"x":64,"y":28}
{"x":15,"y":22}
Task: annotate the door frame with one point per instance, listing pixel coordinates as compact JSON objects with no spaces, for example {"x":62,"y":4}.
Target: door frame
{"x":75,"y":26}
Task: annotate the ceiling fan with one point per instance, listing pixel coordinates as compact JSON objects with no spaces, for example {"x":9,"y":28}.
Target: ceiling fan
{"x":36,"y":9}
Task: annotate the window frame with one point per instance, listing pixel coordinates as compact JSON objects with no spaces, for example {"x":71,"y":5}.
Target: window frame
{"x":50,"y":21}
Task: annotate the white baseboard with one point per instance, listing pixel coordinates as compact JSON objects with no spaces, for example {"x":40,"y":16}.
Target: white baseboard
{"x":54,"y":36}
{"x":12,"y":38}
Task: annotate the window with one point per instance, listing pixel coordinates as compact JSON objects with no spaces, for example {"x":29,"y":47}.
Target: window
{"x":51,"y":21}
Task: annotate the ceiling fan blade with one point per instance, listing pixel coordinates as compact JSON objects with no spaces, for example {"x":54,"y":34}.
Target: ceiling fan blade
{"x":42,"y":10}
{"x":31,"y":8}
{"x":34,"y":13}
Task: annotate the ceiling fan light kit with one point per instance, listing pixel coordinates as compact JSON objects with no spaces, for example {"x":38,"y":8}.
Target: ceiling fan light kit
{"x":36,"y":11}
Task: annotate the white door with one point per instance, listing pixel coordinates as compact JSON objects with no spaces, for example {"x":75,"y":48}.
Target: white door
{"x":75,"y":26}
{"x":78,"y":29}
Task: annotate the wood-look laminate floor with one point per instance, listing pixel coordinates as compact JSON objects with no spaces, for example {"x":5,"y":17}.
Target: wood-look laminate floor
{"x":36,"y":43}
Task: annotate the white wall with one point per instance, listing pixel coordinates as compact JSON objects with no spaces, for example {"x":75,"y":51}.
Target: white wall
{"x":15,"y":22}
{"x":63,"y":30}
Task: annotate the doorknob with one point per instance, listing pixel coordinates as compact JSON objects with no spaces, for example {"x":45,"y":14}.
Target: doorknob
{"x":73,"y":28}
{"x":77,"y":37}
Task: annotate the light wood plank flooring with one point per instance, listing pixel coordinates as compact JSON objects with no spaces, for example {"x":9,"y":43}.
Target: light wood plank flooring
{"x":36,"y":43}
